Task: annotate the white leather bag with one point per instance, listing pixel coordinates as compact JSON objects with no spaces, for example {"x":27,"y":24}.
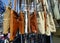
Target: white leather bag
{"x":48,"y":32}
{"x":52,"y":24}
{"x":40,"y":21}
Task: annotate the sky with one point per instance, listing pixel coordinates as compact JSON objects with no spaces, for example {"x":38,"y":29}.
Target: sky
{"x":17,"y":8}
{"x":6,"y":3}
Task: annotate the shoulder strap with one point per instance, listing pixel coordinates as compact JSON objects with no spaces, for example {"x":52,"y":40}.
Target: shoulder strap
{"x":15,"y":2}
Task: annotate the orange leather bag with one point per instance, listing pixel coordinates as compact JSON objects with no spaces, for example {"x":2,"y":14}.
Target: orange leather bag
{"x":13,"y":24}
{"x":21,"y":23}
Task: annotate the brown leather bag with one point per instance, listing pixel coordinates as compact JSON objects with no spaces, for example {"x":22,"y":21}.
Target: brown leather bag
{"x":33,"y":23}
{"x":13,"y":24}
{"x":29,"y":29}
{"x":21,"y":22}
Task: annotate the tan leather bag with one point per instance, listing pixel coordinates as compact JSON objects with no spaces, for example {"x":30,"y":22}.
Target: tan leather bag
{"x":6,"y":20}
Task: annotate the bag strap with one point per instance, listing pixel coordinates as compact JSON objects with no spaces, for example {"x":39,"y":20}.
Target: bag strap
{"x":15,"y":3}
